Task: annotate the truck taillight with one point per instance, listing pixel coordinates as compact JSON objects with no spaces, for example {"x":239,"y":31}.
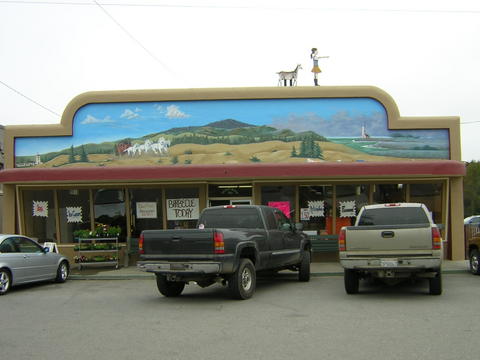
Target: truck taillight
{"x":341,"y":240}
{"x":436,"y":239}
{"x":218,"y":243}
{"x":140,"y":244}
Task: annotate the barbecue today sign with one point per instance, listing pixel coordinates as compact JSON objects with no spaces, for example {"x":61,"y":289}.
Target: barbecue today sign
{"x":182,"y":209}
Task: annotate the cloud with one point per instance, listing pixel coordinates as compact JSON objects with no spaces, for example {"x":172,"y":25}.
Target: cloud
{"x":129,"y":114}
{"x":93,"y":120}
{"x":174,"y":112}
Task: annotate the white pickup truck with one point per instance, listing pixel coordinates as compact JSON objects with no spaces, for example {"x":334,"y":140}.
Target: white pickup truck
{"x":391,"y":242}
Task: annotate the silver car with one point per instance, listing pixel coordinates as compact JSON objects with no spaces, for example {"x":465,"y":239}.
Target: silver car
{"x":23,"y":260}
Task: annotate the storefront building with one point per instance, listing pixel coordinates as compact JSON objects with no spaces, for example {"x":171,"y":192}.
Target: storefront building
{"x":135,"y":160}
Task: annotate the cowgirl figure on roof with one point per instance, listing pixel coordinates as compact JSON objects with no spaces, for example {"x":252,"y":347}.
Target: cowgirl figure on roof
{"x":316,"y":69}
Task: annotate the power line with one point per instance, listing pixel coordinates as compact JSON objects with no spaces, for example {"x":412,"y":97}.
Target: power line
{"x":256,"y":7}
{"x":28,"y":98}
{"x":134,"y":39}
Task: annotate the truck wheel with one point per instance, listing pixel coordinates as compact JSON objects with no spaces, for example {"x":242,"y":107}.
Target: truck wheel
{"x":169,"y":288}
{"x":242,"y":283}
{"x":351,"y":281}
{"x":304,"y":267}
{"x":436,"y":284}
{"x":474,"y":262}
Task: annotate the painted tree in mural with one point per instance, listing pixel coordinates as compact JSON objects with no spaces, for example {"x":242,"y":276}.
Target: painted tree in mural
{"x":294,"y":152}
{"x":83,"y":155}
{"x":471,"y":191}
{"x":71,"y":156}
{"x":310,"y":149}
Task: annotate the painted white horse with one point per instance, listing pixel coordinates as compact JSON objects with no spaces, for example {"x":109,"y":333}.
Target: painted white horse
{"x":161,"y":146}
{"x":145,"y":147}
{"x":132,"y":150}
{"x":283,"y":76}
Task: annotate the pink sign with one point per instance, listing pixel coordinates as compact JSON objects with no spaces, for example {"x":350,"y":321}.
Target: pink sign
{"x":284,"y":206}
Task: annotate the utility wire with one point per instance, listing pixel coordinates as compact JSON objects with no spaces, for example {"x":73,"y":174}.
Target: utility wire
{"x":256,"y":7}
{"x":28,"y":98}
{"x":134,"y":39}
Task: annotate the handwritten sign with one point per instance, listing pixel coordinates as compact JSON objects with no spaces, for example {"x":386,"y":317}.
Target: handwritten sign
{"x":146,"y":210}
{"x":74,"y":214}
{"x":182,"y":209}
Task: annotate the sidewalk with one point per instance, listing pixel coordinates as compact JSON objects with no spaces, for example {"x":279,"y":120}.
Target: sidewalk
{"x":317,"y":269}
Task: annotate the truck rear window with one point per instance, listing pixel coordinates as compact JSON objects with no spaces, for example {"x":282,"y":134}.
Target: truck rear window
{"x":233,"y":218}
{"x":394,"y":216}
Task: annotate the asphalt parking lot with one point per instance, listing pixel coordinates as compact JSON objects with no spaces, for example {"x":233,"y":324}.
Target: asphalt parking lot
{"x":125,"y":319}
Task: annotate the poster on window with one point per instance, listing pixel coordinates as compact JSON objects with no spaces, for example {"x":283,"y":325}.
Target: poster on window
{"x":182,"y":209}
{"x":40,"y":208}
{"x":146,"y":210}
{"x":316,"y":208}
{"x":347,"y":208}
{"x":74,"y":214}
{"x":304,"y":214}
{"x":284,"y":206}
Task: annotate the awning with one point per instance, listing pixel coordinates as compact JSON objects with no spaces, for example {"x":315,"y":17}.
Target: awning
{"x":182,"y":173}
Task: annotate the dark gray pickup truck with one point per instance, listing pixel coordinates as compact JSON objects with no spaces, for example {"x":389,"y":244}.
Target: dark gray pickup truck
{"x":230,"y":245}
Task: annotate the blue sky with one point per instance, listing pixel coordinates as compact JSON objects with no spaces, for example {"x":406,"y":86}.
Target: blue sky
{"x":96,"y":123}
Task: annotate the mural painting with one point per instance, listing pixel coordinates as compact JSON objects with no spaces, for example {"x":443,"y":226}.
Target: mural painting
{"x":231,"y":132}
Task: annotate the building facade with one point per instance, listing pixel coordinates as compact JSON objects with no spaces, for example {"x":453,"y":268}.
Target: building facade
{"x":136,"y":160}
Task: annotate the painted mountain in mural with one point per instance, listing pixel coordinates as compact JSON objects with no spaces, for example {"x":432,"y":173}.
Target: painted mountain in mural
{"x":225,"y":132}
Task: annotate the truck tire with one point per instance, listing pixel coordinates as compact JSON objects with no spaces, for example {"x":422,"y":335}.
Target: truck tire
{"x":351,"y":281}
{"x":436,"y":284}
{"x":169,"y":288}
{"x":304,"y":267}
{"x":242,"y":283}
{"x":475,"y":262}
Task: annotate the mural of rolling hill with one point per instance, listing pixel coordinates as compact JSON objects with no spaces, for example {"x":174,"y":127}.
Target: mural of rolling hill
{"x":225,"y":132}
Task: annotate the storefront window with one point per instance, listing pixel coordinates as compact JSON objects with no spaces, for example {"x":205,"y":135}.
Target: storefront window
{"x":281,"y":197}
{"x":431,"y":196}
{"x":389,"y":193}
{"x":315,"y":208}
{"x":109,"y":209}
{"x":350,"y":198}
{"x":183,"y":208}
{"x":74,"y":206}
{"x":229,"y":191}
{"x":146,"y":208}
{"x":39,"y":215}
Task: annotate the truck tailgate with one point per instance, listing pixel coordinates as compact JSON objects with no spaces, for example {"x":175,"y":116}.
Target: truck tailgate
{"x":174,"y":242}
{"x":403,"y":237}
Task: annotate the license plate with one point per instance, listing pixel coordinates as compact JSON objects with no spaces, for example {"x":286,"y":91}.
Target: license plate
{"x":389,"y":263}
{"x":178,"y":266}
